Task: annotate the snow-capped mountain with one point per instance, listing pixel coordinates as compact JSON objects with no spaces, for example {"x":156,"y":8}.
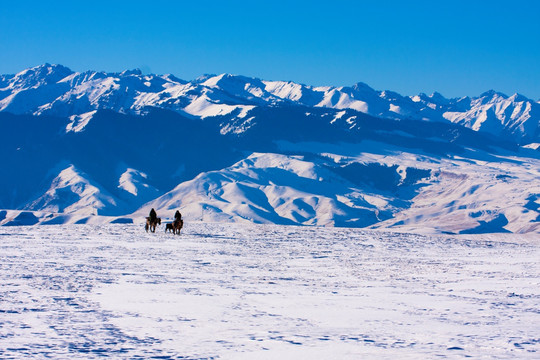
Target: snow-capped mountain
{"x":71,"y":191}
{"x":498,"y":114}
{"x":57,"y":91}
{"x":273,"y":188}
{"x":234,"y":148}
{"x":370,"y":187}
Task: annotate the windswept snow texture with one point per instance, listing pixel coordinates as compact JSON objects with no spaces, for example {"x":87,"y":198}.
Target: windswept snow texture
{"x":240,"y":291}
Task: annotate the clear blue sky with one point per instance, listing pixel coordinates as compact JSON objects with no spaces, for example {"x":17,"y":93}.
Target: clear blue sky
{"x":454,"y":47}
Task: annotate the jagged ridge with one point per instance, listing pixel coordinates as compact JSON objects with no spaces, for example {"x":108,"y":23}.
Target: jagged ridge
{"x":56,"y":90}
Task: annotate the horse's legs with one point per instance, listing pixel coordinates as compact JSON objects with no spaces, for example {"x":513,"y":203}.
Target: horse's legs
{"x":180,"y":226}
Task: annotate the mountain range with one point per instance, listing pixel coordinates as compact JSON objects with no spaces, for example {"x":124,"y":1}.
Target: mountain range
{"x":233,"y":148}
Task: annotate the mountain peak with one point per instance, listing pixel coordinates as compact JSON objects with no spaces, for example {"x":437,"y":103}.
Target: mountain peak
{"x":65,"y":93}
{"x":493,"y":94}
{"x":41,"y":74}
{"x":172,"y":78}
{"x":361,"y":86}
{"x":518,"y":98}
{"x":46,"y":69}
{"x":227,"y":78}
{"x":203,"y":78}
{"x":137,"y":72}
{"x":438,"y":98}
{"x":52,"y":67}
{"x":437,"y":95}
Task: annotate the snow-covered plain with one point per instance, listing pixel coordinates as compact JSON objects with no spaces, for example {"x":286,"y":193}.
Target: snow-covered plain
{"x":266,"y":291}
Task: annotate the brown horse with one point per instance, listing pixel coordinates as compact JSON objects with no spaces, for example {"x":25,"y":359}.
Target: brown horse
{"x":175,"y":226}
{"x":178,"y":225}
{"x":169,"y":227}
{"x":152,"y":224}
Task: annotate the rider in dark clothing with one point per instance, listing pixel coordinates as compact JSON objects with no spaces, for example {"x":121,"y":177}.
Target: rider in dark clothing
{"x":153,"y":215}
{"x":177,"y":216}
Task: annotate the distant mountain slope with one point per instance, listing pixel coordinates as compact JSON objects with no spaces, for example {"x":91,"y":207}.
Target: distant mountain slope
{"x":233,"y":148}
{"x":56,"y":90}
{"x":132,"y":159}
{"x":71,"y":191}
{"x":274,"y":188}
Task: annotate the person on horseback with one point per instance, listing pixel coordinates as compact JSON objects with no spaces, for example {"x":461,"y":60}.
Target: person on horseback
{"x":152,"y":215}
{"x":178,"y":222}
{"x":152,"y":221}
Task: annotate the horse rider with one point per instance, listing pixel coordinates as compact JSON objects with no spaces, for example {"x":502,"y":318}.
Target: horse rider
{"x":153,"y":215}
{"x":177,"y":216}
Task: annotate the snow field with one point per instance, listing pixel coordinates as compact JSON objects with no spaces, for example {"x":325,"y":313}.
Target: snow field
{"x":265,"y":291}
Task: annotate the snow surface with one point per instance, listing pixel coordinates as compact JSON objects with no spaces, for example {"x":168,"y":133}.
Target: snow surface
{"x":238,"y":291}
{"x":134,"y":182}
{"x":78,"y":122}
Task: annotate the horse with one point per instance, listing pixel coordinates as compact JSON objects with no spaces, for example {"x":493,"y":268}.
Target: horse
{"x":152,"y":224}
{"x":175,"y":226}
{"x":178,"y":225}
{"x":169,"y":227}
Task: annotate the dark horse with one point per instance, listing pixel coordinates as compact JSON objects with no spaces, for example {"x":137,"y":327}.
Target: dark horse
{"x":152,"y":224}
{"x":175,"y":226}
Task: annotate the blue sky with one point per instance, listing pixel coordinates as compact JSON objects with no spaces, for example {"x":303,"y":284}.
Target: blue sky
{"x":454,"y":47}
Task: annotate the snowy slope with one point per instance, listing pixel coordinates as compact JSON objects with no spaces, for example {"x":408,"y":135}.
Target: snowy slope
{"x":352,"y":185}
{"x":240,"y":149}
{"x":374,"y":172}
{"x":131,"y":159}
{"x":71,"y":191}
{"x":498,"y":114}
{"x":240,"y":291}
{"x":272,"y":188}
{"x":56,"y":90}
